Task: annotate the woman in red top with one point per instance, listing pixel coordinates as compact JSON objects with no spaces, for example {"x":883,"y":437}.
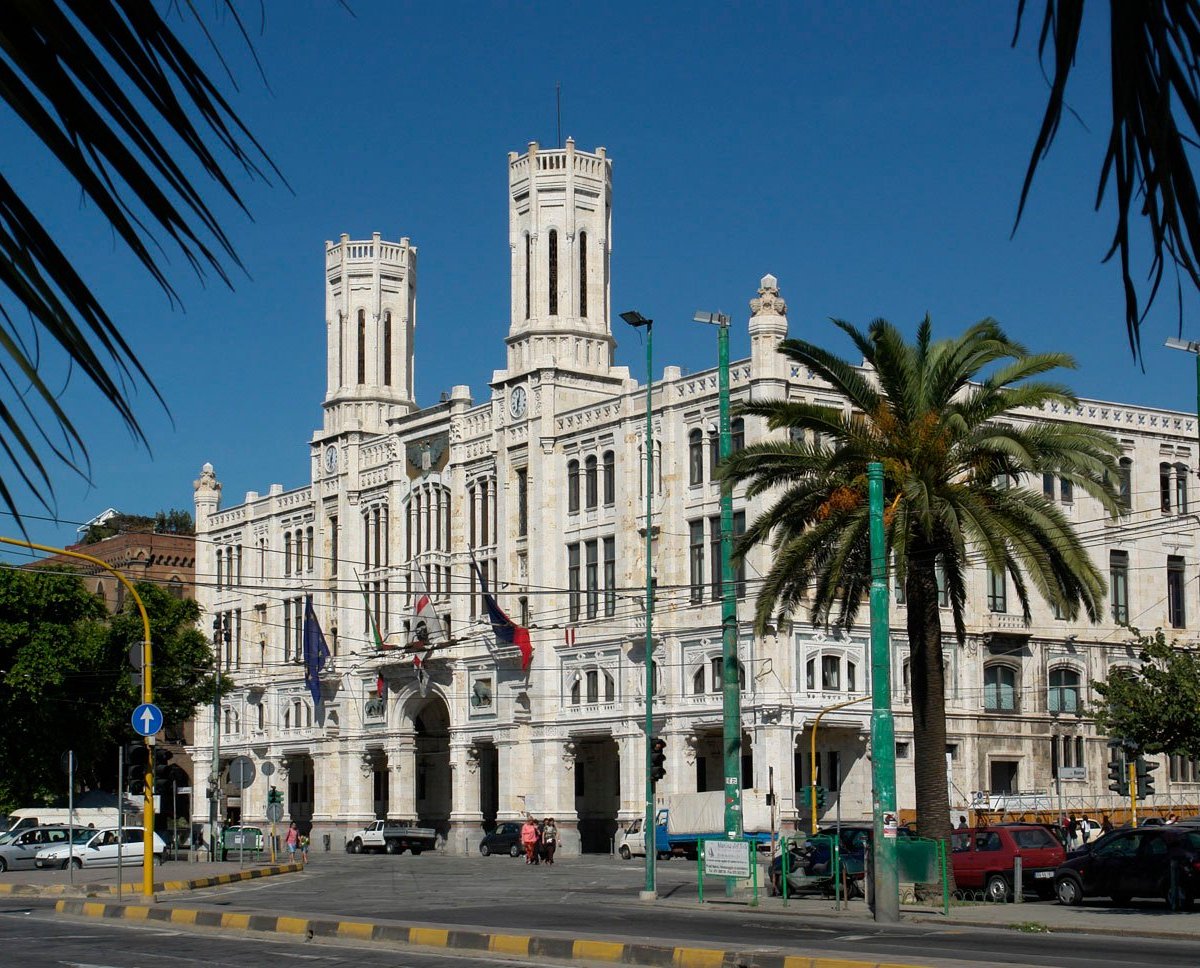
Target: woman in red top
{"x":529,"y":839}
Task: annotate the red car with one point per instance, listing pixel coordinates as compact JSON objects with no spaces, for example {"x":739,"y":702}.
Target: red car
{"x":982,"y":859}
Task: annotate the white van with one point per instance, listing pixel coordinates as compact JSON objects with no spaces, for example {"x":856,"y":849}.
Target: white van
{"x":62,"y":817}
{"x":98,"y":848}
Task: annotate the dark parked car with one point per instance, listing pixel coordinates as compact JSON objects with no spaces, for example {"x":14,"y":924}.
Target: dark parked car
{"x":983,"y":858}
{"x":853,"y":841}
{"x":505,"y":839}
{"x":1161,"y":861}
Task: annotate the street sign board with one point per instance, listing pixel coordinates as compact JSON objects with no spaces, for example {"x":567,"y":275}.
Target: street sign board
{"x":727,"y":858}
{"x":267,"y":768}
{"x":242,"y":772}
{"x":1072,"y":772}
{"x":274,"y":812}
{"x":147,"y":719}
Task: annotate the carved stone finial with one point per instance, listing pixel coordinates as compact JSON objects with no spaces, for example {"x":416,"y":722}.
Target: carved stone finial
{"x":207,"y":481}
{"x":769,"y":302}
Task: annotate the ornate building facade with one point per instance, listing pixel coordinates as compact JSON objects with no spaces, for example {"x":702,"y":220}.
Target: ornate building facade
{"x":541,"y":481}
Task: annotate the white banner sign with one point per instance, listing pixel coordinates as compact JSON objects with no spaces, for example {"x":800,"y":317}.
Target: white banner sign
{"x":727,"y":858}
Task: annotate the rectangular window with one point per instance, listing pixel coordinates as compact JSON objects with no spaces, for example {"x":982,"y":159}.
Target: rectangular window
{"x":287,"y":557}
{"x":387,"y":349}
{"x":1048,"y":486}
{"x":1118,"y":583}
{"x":739,"y":529}
{"x":696,"y":560}
{"x":592,"y":575}
{"x":902,"y":751}
{"x":714,"y":553}
{"x":610,"y":478}
{"x":522,"y":501}
{"x":1176,"y":612}
{"x":573,"y":581}
{"x":1067,"y":490}
{"x":610,"y":576}
{"x":287,"y":632}
{"x":997,"y":591}
{"x":552,"y":278}
{"x":939,"y":571}
{"x":831,"y":673}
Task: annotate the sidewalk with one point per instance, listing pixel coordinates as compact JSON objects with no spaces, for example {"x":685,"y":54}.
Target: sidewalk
{"x":169,"y":876}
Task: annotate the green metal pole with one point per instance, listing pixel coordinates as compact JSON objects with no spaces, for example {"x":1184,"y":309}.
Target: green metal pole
{"x":650,"y":833}
{"x":883,"y":734}
{"x":730,"y":686}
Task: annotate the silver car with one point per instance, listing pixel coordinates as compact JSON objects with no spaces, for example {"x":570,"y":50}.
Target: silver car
{"x":19,"y":851}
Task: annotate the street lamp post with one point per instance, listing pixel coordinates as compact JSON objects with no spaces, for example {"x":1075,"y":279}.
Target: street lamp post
{"x":214,"y":807}
{"x":1193,"y":347}
{"x":730,"y":680}
{"x":649,"y":833}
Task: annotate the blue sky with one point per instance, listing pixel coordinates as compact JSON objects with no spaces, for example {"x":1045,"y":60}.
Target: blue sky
{"x":870,"y":155}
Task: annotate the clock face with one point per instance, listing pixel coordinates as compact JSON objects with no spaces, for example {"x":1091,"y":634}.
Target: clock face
{"x":331,"y":458}
{"x":517,"y":402}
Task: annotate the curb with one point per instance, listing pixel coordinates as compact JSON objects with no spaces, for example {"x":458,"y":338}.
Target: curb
{"x":159,"y":887}
{"x":573,"y":950}
{"x":1064,"y":929}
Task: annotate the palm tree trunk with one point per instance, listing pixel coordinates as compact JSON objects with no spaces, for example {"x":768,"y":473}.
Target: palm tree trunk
{"x":928,"y":694}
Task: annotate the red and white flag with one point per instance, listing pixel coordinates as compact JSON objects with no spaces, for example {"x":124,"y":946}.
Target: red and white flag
{"x":569,"y":636}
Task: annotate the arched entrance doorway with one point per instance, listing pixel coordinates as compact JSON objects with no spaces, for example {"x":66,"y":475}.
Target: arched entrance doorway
{"x":431,"y":725}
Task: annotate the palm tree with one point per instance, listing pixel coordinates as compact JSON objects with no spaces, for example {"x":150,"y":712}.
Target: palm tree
{"x":134,"y":122}
{"x":954,"y":455}
{"x":1154,"y":86}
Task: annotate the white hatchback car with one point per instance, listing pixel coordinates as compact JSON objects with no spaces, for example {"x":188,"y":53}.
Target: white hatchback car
{"x":98,"y":848}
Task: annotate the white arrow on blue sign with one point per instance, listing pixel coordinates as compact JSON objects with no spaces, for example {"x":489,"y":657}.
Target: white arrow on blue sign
{"x":147,"y":719}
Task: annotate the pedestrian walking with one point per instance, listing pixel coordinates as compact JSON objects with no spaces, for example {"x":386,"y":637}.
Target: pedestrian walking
{"x":962,"y":822}
{"x":1106,"y":824}
{"x":549,"y":839}
{"x":291,"y":841}
{"x":529,"y":838}
{"x":303,"y":843}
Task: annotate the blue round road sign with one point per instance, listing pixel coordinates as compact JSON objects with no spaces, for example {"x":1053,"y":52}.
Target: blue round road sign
{"x":147,"y":719}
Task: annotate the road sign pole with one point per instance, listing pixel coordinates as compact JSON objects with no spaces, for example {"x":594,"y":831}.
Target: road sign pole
{"x":71,"y":814}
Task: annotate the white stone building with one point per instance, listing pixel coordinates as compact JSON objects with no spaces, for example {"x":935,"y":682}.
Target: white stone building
{"x":543,"y":477}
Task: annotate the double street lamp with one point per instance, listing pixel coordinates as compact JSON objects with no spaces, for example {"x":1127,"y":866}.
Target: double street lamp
{"x":1193,"y":347}
{"x":649,"y":833}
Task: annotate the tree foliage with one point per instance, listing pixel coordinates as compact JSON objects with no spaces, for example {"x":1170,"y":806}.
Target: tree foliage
{"x":66,"y":682}
{"x":127,"y":115}
{"x":174,"y":521}
{"x":937,"y":416}
{"x":1157,"y":705}
{"x":1154,"y":63}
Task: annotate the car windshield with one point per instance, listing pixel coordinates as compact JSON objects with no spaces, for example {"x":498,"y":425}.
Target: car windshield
{"x":1033,"y":837}
{"x":83,"y":835}
{"x":7,"y":837}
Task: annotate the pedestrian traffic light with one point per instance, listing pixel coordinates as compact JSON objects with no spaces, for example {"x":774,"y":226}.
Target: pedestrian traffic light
{"x":1143,"y":769}
{"x":1118,"y":774}
{"x":658,"y":759}
{"x":138,"y":756}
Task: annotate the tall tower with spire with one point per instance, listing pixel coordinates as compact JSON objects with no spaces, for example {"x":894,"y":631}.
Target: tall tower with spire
{"x":370,"y":316}
{"x":559,"y":224}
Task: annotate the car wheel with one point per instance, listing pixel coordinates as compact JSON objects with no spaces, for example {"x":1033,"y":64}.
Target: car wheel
{"x":77,"y":863}
{"x":391,"y":847}
{"x":624,"y":852}
{"x":3,"y":865}
{"x":484,"y":850}
{"x":357,"y":846}
{"x":996,"y":888}
{"x":514,"y":851}
{"x":1069,"y":891}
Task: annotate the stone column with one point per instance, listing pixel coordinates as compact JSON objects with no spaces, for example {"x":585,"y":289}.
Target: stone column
{"x":466,"y":819}
{"x":402,"y":777}
{"x":509,"y":781}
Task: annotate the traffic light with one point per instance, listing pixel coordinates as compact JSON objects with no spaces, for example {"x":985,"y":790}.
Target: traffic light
{"x":1118,"y":768}
{"x":658,"y":759}
{"x":821,"y":793}
{"x":274,"y":795}
{"x":138,"y":757}
{"x":1143,"y":769}
{"x":162,"y":765}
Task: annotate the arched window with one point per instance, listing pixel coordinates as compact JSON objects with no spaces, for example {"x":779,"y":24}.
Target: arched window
{"x":362,"y":346}
{"x":174,"y":587}
{"x":810,"y":675}
{"x":999,"y":688}
{"x":575,"y":693}
{"x":737,"y":435}
{"x":591,"y":485}
{"x":287,"y":556}
{"x":309,"y":534}
{"x":1181,"y":489}
{"x":1164,"y":486}
{"x":573,"y":486}
{"x":552,"y":263}
{"x":262,"y":716}
{"x":851,"y":677}
{"x":696,"y":457}
{"x":610,"y":688}
{"x":583,"y":274}
{"x":592,"y":678}
{"x":1064,"y":691}
{"x":1125,"y":483}
{"x":715,"y":664}
{"x":387,"y":348}
{"x":610,"y":479}
{"x":698,"y":682}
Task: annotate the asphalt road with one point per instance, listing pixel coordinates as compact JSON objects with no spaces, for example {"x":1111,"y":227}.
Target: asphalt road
{"x":38,"y":937}
{"x":596,"y":897}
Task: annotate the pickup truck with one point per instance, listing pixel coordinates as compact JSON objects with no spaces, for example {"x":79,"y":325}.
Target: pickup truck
{"x":684,"y":819}
{"x":392,"y":837}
